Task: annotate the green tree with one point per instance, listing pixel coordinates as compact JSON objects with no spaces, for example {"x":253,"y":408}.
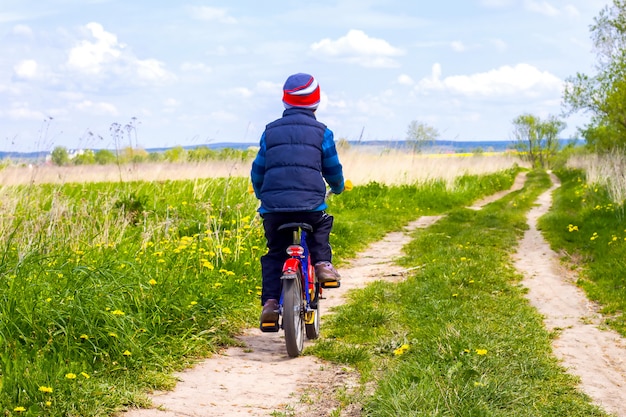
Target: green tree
{"x":60,"y":156}
{"x":175,"y":154}
{"x":86,"y":158}
{"x":104,"y":157}
{"x":200,"y":154}
{"x":550,"y":130}
{"x":603,"y":95}
{"x":537,"y":140}
{"x":155,"y":157}
{"x":420,"y":134}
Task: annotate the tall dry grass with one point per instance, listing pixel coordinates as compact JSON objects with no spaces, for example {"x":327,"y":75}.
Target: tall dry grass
{"x":608,"y":170}
{"x":397,"y":167}
{"x":360,"y":165}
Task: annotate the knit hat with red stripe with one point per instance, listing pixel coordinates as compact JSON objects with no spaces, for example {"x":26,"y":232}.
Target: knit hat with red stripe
{"x":301,"y":90}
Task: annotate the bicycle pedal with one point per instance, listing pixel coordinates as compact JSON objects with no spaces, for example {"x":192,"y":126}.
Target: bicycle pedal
{"x":269,"y":327}
{"x":331,"y":284}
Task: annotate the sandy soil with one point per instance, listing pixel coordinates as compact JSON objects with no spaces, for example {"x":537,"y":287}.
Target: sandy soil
{"x":261,"y":380}
{"x":597,"y":356}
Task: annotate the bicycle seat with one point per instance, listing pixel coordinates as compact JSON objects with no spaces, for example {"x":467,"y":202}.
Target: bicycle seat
{"x":295,"y":225}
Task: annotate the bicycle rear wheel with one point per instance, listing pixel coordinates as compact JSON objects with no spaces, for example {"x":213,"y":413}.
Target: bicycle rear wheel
{"x":312,"y":315}
{"x":312,"y":324}
{"x":293,"y":315}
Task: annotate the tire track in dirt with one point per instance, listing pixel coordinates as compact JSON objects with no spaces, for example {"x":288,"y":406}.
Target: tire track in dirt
{"x":596,"y":356}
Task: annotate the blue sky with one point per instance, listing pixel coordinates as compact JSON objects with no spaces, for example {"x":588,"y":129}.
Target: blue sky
{"x":197,"y":72}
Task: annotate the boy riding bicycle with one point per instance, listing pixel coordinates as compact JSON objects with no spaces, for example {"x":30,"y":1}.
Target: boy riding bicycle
{"x":296,"y":158}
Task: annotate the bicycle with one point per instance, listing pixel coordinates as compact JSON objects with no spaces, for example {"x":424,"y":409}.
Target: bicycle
{"x":298,"y":306}
{"x":301,"y":293}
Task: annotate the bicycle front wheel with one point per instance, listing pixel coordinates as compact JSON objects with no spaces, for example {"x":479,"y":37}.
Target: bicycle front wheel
{"x":293,"y":316}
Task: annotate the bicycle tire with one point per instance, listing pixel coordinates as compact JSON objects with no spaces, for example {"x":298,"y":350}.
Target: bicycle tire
{"x":312,"y":317}
{"x":293,"y":315}
{"x":313,"y":329}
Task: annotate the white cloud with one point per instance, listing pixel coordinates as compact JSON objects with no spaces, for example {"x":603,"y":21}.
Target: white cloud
{"x":101,"y":108}
{"x":358,"y":48}
{"x":170,"y":105}
{"x":541,"y":7}
{"x":496,"y":3}
{"x":22,"y":111}
{"x":105,"y":55}
{"x":458,"y":46}
{"x":212,"y":14}
{"x":521,"y":79}
{"x":223,"y":116}
{"x":499,"y":44}
{"x":571,"y":10}
{"x":240,"y":92}
{"x":26,"y":69}
{"x":22,"y":30}
{"x":195,"y":67}
{"x":405,"y":80}
{"x":171,"y":102}
{"x":151,"y":70}
{"x":91,"y":57}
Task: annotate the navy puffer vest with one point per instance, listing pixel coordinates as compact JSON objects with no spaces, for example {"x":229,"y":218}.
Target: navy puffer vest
{"x":293,"y":163}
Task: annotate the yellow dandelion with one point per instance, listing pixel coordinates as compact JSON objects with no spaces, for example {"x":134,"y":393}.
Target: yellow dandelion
{"x":70,"y":376}
{"x":152,"y":282}
{"x":85,"y":375}
{"x":481,"y":351}
{"x":48,"y":403}
{"x":19,"y":409}
{"x":113,"y":334}
{"x":193,"y":303}
{"x":45,"y":389}
{"x":84,"y":336}
{"x":401,"y":350}
{"x":127,"y":353}
{"x":117,"y":312}
{"x":227,"y":251}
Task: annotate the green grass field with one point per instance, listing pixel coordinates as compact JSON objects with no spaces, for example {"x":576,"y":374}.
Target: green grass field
{"x":107,"y":288}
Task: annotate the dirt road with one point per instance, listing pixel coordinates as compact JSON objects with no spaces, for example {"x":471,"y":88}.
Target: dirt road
{"x":261,"y":380}
{"x":596,"y":356}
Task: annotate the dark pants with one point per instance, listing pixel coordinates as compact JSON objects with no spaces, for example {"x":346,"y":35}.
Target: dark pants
{"x":278,"y":241}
